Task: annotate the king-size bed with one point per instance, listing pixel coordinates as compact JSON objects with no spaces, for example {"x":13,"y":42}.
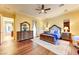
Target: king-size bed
{"x":52,"y":35}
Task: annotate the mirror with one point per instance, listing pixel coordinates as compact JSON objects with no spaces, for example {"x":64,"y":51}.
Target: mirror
{"x":24,"y":26}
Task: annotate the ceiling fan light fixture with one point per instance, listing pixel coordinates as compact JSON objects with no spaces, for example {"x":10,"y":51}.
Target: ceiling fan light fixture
{"x":42,"y":11}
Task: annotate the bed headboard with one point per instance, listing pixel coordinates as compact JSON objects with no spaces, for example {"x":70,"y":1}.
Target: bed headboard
{"x":55,"y":30}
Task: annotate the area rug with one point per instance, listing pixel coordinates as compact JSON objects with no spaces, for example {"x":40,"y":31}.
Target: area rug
{"x":61,"y":49}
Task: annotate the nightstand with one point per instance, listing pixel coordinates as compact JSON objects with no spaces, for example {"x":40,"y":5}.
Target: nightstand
{"x":66,"y":36}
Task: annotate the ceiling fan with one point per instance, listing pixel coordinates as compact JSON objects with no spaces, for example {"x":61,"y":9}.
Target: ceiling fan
{"x":43,"y":9}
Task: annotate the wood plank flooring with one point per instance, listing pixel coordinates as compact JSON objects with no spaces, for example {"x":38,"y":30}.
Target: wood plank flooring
{"x":26,"y":47}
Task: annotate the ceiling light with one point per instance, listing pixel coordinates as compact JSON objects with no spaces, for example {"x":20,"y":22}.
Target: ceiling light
{"x":42,"y":11}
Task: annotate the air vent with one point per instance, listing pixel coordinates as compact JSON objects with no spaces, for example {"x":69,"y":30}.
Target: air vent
{"x":7,"y":8}
{"x":61,"y":5}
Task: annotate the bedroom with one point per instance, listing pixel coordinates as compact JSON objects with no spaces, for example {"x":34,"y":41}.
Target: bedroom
{"x":62,"y":17}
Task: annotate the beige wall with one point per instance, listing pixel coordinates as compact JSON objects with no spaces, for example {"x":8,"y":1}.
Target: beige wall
{"x":18,"y":18}
{"x":72,"y":16}
{"x":41,"y":24}
{"x":5,"y":14}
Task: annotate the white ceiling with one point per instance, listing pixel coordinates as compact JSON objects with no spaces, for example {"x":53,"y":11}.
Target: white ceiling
{"x":29,"y":9}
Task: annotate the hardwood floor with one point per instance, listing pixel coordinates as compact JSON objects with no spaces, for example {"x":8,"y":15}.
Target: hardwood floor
{"x":23,"y":48}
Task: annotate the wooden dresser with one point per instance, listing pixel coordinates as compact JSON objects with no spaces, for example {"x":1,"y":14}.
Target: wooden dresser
{"x":23,"y":35}
{"x":47,"y":38}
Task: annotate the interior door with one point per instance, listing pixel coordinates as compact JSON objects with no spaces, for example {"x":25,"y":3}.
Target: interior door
{"x":6,"y":29}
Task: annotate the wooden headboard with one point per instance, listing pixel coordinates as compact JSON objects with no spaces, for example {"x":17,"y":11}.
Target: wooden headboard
{"x":54,"y":29}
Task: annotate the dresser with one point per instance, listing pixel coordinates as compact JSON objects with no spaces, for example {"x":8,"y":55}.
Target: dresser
{"x":23,"y":35}
{"x":66,"y":36}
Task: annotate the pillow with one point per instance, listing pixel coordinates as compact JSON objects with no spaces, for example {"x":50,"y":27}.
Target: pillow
{"x":46,"y":32}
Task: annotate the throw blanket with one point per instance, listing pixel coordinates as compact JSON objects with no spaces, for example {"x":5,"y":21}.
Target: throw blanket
{"x":55,"y":37}
{"x":55,"y":34}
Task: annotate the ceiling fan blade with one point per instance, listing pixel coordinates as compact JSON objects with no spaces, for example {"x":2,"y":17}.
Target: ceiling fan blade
{"x":42,"y":9}
{"x":38,"y":9}
{"x":42,"y":6}
{"x":45,"y":12}
{"x":39,"y":12}
{"x":47,"y":9}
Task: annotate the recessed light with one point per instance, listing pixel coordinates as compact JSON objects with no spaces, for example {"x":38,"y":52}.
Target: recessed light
{"x":66,"y":10}
{"x":7,"y":8}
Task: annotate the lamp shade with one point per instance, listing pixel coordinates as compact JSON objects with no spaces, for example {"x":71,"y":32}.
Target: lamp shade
{"x":66,"y":29}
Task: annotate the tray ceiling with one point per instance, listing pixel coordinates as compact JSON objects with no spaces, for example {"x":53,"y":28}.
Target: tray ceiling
{"x":29,"y":9}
